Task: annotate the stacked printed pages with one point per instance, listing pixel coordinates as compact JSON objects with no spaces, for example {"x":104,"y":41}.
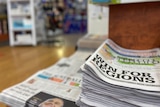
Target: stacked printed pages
{"x":118,"y":77}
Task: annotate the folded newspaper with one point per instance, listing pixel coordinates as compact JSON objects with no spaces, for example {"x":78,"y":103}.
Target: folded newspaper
{"x":118,"y":77}
{"x":57,"y":84}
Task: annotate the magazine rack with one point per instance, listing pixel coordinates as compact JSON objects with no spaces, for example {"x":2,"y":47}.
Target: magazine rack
{"x":135,"y":25}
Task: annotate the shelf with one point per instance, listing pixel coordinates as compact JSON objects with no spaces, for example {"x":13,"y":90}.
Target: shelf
{"x":21,"y":21}
{"x":21,"y":29}
{"x":3,"y":37}
{"x":21,"y":14}
{"x":19,"y":0}
{"x":105,"y":2}
{"x":3,"y":16}
{"x":22,"y":43}
{"x":122,"y":2}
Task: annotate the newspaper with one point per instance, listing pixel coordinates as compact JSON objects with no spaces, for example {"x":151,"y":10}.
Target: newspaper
{"x":141,"y":53}
{"x":118,"y":77}
{"x":61,"y":80}
{"x":91,"y":41}
{"x":132,"y":71}
{"x":94,"y":86}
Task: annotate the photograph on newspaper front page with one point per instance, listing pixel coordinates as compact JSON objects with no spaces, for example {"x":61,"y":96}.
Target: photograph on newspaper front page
{"x":46,"y":100}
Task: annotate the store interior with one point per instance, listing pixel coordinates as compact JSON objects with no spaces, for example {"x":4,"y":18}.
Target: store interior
{"x":35,"y":34}
{"x":58,"y":26}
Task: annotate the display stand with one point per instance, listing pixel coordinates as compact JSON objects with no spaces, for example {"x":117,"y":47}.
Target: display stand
{"x":21,"y":22}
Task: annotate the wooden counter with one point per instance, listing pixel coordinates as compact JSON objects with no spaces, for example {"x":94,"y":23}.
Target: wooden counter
{"x":135,"y":25}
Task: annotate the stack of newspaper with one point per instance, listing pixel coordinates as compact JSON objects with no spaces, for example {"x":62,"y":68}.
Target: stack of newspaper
{"x":61,"y":80}
{"x":118,"y":77}
{"x":91,"y":41}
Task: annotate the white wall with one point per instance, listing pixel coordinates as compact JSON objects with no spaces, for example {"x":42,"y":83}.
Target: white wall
{"x":97,"y":25}
{"x":101,"y":26}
